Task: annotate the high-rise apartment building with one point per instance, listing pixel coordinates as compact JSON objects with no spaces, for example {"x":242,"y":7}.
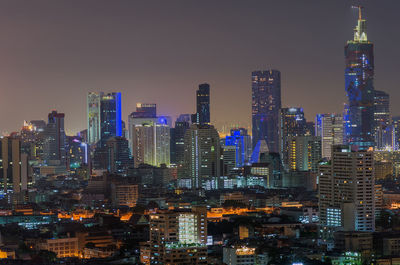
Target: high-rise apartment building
{"x":266,"y":104}
{"x":359,"y":76}
{"x":202,"y":154}
{"x":346,"y":192}
{"x":103,"y":116}
{"x":330,"y":128}
{"x":151,"y":143}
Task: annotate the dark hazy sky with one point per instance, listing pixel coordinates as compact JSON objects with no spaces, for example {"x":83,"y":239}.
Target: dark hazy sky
{"x":54,"y":52}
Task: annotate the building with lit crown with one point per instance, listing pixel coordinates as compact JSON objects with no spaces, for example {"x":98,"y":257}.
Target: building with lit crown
{"x":359,"y":77}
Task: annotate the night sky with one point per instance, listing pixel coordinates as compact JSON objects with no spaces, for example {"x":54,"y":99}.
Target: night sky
{"x":54,"y":52}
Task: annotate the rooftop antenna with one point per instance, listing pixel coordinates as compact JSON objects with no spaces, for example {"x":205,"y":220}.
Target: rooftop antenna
{"x":359,"y":11}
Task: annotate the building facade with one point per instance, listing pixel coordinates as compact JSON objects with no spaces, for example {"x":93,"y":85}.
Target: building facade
{"x":330,"y":128}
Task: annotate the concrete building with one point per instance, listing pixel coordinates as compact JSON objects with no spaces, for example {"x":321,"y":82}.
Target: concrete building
{"x":346,"y":192}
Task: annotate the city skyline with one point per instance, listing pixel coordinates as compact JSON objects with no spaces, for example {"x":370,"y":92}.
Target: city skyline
{"x":70,"y":59}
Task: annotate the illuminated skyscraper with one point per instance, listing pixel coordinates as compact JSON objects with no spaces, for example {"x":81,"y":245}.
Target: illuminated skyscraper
{"x":202,"y":115}
{"x":266,"y":103}
{"x":330,"y":128}
{"x":359,"y":75}
{"x":151,"y":142}
{"x":93,"y":117}
{"x":291,"y":123}
{"x":103,"y":116}
{"x":202,"y":154}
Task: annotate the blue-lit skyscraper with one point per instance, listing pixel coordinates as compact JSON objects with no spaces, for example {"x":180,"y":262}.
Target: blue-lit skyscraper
{"x":104,"y":116}
{"x":266,"y":103}
{"x":359,"y":75}
{"x":110,"y":115}
{"x":242,"y":141}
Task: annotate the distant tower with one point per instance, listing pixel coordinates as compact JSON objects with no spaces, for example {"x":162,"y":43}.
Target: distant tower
{"x":359,"y":75}
{"x":383,"y":122}
{"x":202,"y":115}
{"x":291,"y":123}
{"x":266,"y":104}
{"x":54,"y":144}
{"x":103,"y":116}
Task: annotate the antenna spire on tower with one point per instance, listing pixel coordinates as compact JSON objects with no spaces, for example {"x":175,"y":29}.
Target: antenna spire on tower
{"x":359,"y":11}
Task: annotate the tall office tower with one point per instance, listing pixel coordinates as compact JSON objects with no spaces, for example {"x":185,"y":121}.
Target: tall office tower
{"x":266,"y":104}
{"x":202,"y":154}
{"x":346,"y":192}
{"x":13,"y":166}
{"x":103,"y":116}
{"x":383,"y":122}
{"x":93,"y":117}
{"x":242,"y":142}
{"x":110,"y":116}
{"x":291,"y":123}
{"x":177,"y":237}
{"x":304,"y":153}
{"x":118,"y":155}
{"x":178,"y":139}
{"x":359,"y":75}
{"x":54,"y":140}
{"x":202,"y":115}
{"x":330,"y":128}
{"x":151,"y":142}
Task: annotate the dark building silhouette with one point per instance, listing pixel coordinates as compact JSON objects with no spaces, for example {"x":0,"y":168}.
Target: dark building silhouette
{"x":202,"y":115}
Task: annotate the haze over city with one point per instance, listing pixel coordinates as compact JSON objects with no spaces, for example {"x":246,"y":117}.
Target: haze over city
{"x":53,"y":53}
